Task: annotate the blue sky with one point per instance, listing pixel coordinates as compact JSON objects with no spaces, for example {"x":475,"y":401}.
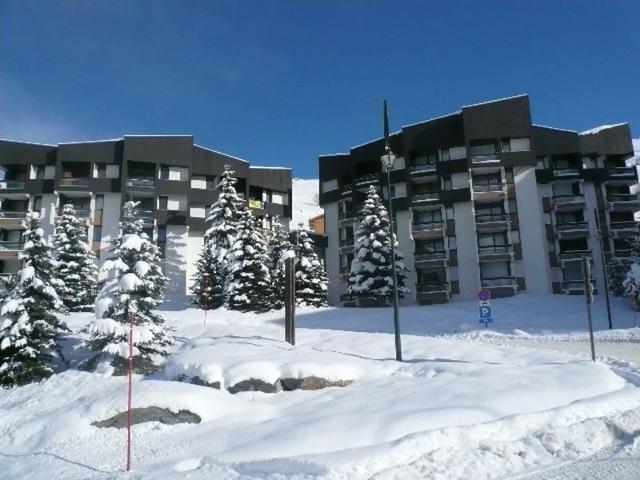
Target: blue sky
{"x":280,"y":82}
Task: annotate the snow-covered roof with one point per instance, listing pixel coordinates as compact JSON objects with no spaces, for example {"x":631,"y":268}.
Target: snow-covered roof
{"x":377,"y":139}
{"x":93,"y":141}
{"x":29,"y":143}
{"x":601,"y":128}
{"x":554,"y":128}
{"x":258,"y":167}
{"x":333,"y":154}
{"x":496,"y":100}
{"x":163,"y":135}
{"x":221,"y":153}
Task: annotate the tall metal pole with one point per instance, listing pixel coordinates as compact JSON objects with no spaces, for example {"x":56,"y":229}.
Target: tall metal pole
{"x":588,"y":295}
{"x":396,"y":316}
{"x":604,"y":269}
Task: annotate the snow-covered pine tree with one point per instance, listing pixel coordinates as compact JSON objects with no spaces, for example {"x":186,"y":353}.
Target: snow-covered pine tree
{"x":277,"y":248}
{"x":29,"y":326}
{"x":224,"y":220}
{"x":76,"y":262}
{"x":248,"y":287}
{"x":311,"y":279}
{"x":617,"y":274}
{"x":205,"y":290}
{"x":371,"y":270}
{"x":135,"y":286}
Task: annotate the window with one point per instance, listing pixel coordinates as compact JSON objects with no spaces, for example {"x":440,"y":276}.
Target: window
{"x":569,"y":217}
{"x":40,"y":171}
{"x":99,"y":202}
{"x":515,"y":236}
{"x":163,"y":202}
{"x":520,"y":145}
{"x":101,"y":170}
{"x":429,"y":246}
{"x":432,"y":276}
{"x":37,"y":203}
{"x":551,"y":245}
{"x":512,"y":205}
{"x":97,"y":234}
{"x":447,"y":184}
{"x":541,"y":163}
{"x":506,"y":145}
{"x":429,"y":216}
{"x":164,"y":172}
{"x":564,"y":189}
{"x":444,"y":154}
{"x":330,"y":185}
{"x":451,"y":240}
{"x":493,"y":270}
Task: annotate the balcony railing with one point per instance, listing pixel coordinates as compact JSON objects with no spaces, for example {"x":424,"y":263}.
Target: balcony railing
{"x":74,"y":182}
{"x":344,"y":270}
{"x":144,"y":182}
{"x":346,"y":242}
{"x":424,"y":256}
{"x":423,"y":197}
{"x":622,"y":171}
{"x":484,"y":157}
{"x":11,"y":245}
{"x":79,"y":212}
{"x":144,"y":214}
{"x":425,"y":167}
{"x":438,"y":287}
{"x":10,"y":214}
{"x":563,"y":199}
{"x":569,"y":226}
{"x":574,"y":254}
{"x":369,"y":178}
{"x":255,"y":203}
{"x":344,"y":214}
{"x":575,"y":285}
{"x":622,"y":252}
{"x":565,"y":172}
{"x":494,"y":249}
{"x":627,"y":225}
{"x":488,"y":187}
{"x":12,"y":184}
{"x":492,"y":217}
{"x":435,"y":225}
{"x":622,"y":197}
{"x":498,"y":282}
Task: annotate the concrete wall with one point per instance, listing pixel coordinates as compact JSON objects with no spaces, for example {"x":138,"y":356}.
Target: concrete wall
{"x":405,"y":244}
{"x":532,"y":231}
{"x":110,"y":224}
{"x":589,"y":192}
{"x":468,"y":267}
{"x":195,"y":241}
{"x":333,"y":254}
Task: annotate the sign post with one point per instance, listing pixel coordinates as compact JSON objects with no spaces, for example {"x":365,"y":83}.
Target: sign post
{"x":206,"y":295}
{"x":484,"y":295}
{"x":588,"y":295}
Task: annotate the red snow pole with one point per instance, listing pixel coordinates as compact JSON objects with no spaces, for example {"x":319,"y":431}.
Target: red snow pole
{"x":130,"y":368}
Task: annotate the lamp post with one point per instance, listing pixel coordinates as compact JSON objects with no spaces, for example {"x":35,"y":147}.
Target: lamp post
{"x":388,"y":159}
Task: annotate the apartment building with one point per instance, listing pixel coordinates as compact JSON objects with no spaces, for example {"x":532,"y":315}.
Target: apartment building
{"x":485,"y":198}
{"x":172,"y":178}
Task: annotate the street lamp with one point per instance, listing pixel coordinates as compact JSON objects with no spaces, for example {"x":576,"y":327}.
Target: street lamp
{"x":388,"y":159}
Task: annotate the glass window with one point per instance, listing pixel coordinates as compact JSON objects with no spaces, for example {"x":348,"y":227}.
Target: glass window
{"x":431,"y":276}
{"x":97,"y":233}
{"x":37,"y":202}
{"x":163,"y":202}
{"x":164,"y":172}
{"x":506,"y":145}
{"x":99,"y":202}
{"x":495,"y":270}
{"x":162,"y":234}
{"x":452,"y":242}
{"x":444,"y":154}
{"x":101,"y":170}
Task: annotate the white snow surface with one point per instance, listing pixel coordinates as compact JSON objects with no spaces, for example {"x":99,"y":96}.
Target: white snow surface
{"x":457,"y":407}
{"x":601,"y":128}
{"x":305,"y":201}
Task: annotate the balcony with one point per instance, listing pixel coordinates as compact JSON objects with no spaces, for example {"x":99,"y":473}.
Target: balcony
{"x":10,"y":249}
{"x":144,"y":215}
{"x":12,"y":219}
{"x":346,"y":243}
{"x":575,"y":287}
{"x":566,"y":172}
{"x":494,"y":252}
{"x":345,"y":270}
{"x":432,"y":287}
{"x":625,"y":225}
{"x":498,"y":282}
{"x":430,"y":293}
{"x":568,"y":202}
{"x":432,"y":229}
{"x":141,"y":182}
{"x":81,"y":212}
{"x":349,"y":214}
{"x":622,"y":252}
{"x":81,"y":182}
{"x":421,"y":257}
{"x":365,"y":180}
{"x":12,"y":185}
{"x":421,"y":198}
{"x":424,"y":168}
{"x":622,"y":172}
{"x":480,"y":158}
{"x":574,"y":255}
{"x":622,"y":201}
{"x":491,"y":221}
{"x":568,"y":230}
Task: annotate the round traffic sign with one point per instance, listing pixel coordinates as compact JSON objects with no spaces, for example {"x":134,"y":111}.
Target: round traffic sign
{"x":484,"y":294}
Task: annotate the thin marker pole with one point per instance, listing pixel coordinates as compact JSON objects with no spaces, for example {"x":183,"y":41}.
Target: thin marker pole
{"x":129,"y":413}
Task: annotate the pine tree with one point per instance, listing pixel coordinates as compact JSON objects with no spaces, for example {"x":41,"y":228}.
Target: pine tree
{"x":205,"y":290}
{"x":278,"y":248}
{"x":224,"y":219}
{"x":371,"y":270}
{"x":311,"y":279}
{"x":135,"y":287}
{"x":29,"y":326}
{"x":77,"y":269}
{"x":617,"y":274}
{"x":248,"y":287}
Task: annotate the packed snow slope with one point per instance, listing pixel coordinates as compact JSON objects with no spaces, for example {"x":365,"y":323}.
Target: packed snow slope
{"x":305,"y":201}
{"x":455,"y":408}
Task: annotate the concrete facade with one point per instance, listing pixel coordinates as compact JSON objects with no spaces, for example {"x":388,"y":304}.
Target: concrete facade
{"x":483,"y":197}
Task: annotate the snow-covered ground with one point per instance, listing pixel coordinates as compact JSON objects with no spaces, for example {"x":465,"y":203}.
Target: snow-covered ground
{"x":305,"y":201}
{"x":467,"y":402}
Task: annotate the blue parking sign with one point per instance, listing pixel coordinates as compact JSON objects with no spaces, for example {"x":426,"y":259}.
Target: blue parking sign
{"x":485,"y":314}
